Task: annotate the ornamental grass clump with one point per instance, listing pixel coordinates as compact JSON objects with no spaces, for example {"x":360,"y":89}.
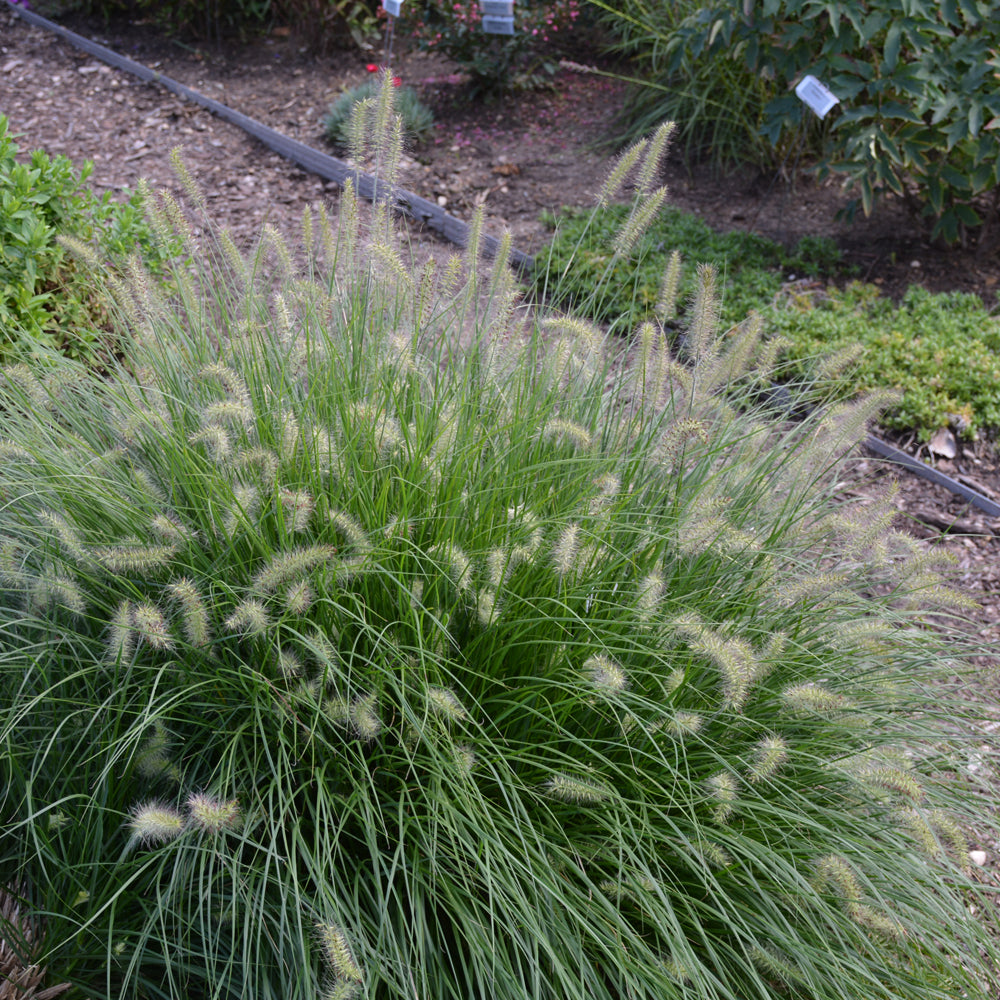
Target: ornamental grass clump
{"x":359,"y":643}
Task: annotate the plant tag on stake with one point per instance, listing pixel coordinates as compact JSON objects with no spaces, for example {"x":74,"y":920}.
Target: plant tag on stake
{"x":392,"y":7}
{"x":818,"y":96}
{"x":498,"y":16}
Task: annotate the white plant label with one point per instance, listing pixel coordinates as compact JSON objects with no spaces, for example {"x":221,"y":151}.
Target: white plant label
{"x":818,"y":96}
{"x":498,"y":25}
{"x":392,"y":7}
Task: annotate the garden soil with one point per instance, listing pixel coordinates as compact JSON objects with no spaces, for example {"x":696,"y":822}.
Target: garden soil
{"x":517,"y":157}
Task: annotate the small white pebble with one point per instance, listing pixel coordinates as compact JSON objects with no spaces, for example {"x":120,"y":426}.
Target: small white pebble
{"x":978,"y":858}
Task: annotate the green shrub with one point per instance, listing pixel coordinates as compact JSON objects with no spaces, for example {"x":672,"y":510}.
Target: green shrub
{"x":920,"y":91}
{"x":941,"y":352}
{"x":583,"y":269}
{"x":417,"y":118}
{"x":494,"y":62}
{"x":357,"y":643}
{"x":46,"y":300}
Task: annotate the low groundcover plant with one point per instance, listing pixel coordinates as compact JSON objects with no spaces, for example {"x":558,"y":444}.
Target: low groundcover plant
{"x":342,"y":660}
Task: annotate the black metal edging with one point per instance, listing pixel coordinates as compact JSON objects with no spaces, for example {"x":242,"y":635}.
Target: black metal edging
{"x":313,"y":160}
{"x":925,"y":471}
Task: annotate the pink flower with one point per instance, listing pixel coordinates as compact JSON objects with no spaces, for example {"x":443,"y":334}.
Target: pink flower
{"x":372,"y":68}
{"x":397,"y":81}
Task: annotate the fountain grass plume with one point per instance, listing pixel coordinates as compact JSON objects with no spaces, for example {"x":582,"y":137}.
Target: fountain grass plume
{"x":505,"y":687}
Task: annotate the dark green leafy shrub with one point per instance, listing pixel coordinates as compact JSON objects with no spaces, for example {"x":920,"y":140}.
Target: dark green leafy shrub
{"x":342,"y":659}
{"x":941,"y":352}
{"x":417,"y":118}
{"x":494,"y":62}
{"x":45,"y":298}
{"x":918,"y":84}
{"x":582,"y":267}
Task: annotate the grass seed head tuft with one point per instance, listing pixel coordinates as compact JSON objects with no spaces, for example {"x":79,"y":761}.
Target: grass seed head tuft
{"x":652,"y":162}
{"x":337,"y":952}
{"x":151,"y":626}
{"x":61,"y":591}
{"x":286,"y":567}
{"x":605,"y":676}
{"x":193,"y":611}
{"x":299,"y":597}
{"x":580,"y":791}
{"x":341,"y":989}
{"x":211,"y":814}
{"x":444,"y":703}
{"x":365,"y":718}
{"x":298,"y":507}
{"x":723,"y":790}
{"x":566,"y":551}
{"x":250,"y":617}
{"x":624,"y":165}
{"x":154,"y":823}
{"x":814,"y":699}
{"x":134,"y":557}
{"x":770,"y":753}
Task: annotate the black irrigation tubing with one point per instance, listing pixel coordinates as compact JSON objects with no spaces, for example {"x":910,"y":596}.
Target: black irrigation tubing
{"x":408,"y":204}
{"x":922,"y":469}
{"x":315,"y":162}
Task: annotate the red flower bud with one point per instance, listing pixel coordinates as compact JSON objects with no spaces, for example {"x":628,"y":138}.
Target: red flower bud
{"x":372,"y":68}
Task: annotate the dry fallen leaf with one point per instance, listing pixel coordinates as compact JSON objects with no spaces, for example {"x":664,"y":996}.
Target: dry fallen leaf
{"x":943,"y":444}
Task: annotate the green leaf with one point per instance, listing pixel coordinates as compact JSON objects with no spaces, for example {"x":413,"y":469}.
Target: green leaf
{"x":867,"y":194}
{"x":888,"y":176}
{"x":952,"y":177}
{"x":893,"y":39}
{"x":873,"y":24}
{"x":975,"y":118}
{"x":967,"y":215}
{"x":981,"y":176}
{"x":914,"y":154}
{"x":949,"y":11}
{"x":943,"y":108}
{"x":903,"y":112}
{"x":971,"y":12}
{"x":955,"y":133}
{"x":833,"y":13}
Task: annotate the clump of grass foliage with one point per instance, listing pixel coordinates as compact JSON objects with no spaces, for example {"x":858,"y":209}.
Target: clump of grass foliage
{"x":345,"y":656}
{"x":417,"y":119}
